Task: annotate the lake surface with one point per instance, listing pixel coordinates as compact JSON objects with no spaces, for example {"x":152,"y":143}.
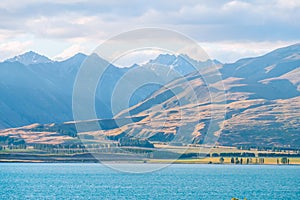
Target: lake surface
{"x":95,"y":181}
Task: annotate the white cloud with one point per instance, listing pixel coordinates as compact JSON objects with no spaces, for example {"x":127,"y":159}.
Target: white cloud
{"x":236,"y":6}
{"x":70,"y":51}
{"x":12,"y":48}
{"x":290,"y":4}
{"x":239,"y":19}
{"x":231,"y":51}
{"x":80,"y":22}
{"x":137,"y":57}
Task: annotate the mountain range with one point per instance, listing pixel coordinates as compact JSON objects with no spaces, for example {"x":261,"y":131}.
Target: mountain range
{"x":35,"y":89}
{"x":262,"y":104}
{"x":262,"y":99}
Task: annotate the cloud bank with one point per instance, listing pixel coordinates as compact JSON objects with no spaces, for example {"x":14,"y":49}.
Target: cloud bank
{"x":80,"y":24}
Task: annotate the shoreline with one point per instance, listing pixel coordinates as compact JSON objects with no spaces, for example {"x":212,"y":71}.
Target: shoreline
{"x":231,"y":159}
{"x":164,"y":161}
{"x":140,"y":163}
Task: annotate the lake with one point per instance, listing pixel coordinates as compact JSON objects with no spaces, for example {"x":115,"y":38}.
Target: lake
{"x":179,"y":181}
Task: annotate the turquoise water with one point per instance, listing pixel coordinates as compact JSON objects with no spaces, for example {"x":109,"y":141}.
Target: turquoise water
{"x":95,"y":181}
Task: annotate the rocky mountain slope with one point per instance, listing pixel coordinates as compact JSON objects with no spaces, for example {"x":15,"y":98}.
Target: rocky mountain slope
{"x":262,"y":106}
{"x":35,"y":89}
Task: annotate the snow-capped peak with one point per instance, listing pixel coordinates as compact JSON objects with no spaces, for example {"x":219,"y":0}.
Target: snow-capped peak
{"x":29,"y":58}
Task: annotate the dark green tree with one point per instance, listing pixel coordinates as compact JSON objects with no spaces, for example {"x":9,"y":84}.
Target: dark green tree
{"x":221,"y":160}
{"x":232,"y":160}
{"x":284,"y":160}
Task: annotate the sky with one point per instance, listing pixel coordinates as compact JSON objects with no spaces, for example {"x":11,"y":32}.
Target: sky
{"x":226,"y":30}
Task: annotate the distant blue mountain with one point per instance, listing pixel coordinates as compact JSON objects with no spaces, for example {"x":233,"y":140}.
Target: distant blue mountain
{"x":35,"y":89}
{"x":262,"y":98}
{"x":182,"y":64}
{"x":29,"y":58}
{"x":38,"y":92}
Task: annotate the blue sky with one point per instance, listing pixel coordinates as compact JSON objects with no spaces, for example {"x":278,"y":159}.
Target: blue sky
{"x":227,"y":30}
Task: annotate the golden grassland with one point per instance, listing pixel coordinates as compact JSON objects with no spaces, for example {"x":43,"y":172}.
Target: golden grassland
{"x":207,"y":160}
{"x":216,"y":160}
{"x":217,"y":149}
{"x":29,"y":152}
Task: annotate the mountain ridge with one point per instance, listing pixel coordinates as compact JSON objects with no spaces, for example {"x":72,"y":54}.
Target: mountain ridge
{"x":262,"y":108}
{"x":39,"y":85}
{"x":29,"y":57}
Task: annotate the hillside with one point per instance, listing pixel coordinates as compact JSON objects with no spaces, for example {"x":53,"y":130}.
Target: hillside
{"x":262,"y":109}
{"x":35,"y":89}
{"x":262,"y":106}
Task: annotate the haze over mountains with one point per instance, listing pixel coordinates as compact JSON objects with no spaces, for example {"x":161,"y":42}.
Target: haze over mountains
{"x":35,"y":89}
{"x":262,"y":93}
